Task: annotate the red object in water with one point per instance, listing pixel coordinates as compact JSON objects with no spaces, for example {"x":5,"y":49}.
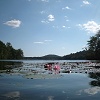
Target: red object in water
{"x":57,"y":67}
{"x":48,"y":66}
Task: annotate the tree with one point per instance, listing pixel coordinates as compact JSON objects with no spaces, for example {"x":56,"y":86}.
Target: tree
{"x":94,"y":47}
{"x":19,"y":54}
{"x":3,"y":51}
{"x":8,"y":52}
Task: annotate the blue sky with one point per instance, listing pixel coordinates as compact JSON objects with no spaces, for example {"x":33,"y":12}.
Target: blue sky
{"x":41,"y":27}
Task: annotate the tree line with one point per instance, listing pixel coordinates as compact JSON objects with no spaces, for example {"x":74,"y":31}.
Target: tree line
{"x":8,"y":52}
{"x":91,"y":52}
{"x":81,"y":55}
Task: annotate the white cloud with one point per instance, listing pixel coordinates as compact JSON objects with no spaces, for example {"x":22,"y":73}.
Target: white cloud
{"x":79,"y":25}
{"x":47,"y":40}
{"x":42,"y":42}
{"x":43,"y":12}
{"x":58,"y":0}
{"x":38,"y":42}
{"x":65,"y":16}
{"x":86,"y":2}
{"x":66,"y":8}
{"x":63,"y":26}
{"x":55,"y":27}
{"x":13,"y":23}
{"x":29,"y":0}
{"x":45,"y":0}
{"x":68,"y":27}
{"x":45,"y":21}
{"x":51,"y":17}
{"x":67,"y":20}
{"x":90,"y":27}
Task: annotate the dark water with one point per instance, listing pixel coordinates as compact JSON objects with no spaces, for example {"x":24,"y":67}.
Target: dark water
{"x":14,"y":85}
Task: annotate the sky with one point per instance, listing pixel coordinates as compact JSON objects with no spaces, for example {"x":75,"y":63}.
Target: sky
{"x":42,"y":27}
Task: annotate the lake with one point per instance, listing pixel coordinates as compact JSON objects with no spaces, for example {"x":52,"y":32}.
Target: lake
{"x":29,"y":80}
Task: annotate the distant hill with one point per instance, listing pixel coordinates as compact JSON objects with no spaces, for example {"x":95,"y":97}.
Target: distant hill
{"x":81,"y":55}
{"x":46,"y":57}
{"x":52,"y":57}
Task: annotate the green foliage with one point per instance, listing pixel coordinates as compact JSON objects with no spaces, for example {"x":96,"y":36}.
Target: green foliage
{"x":94,"y":47}
{"x":8,"y":52}
{"x":76,"y":56}
{"x":3,"y":50}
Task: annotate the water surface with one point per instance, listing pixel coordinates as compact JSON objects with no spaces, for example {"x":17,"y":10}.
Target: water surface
{"x":62,"y":86}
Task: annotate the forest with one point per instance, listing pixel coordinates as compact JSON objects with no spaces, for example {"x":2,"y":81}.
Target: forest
{"x":8,"y":52}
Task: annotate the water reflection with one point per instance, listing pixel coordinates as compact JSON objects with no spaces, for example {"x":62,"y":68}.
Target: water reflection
{"x":90,"y":91}
{"x":95,"y":61}
{"x":7,"y":66}
{"x":15,"y":94}
{"x":95,"y":76}
{"x":95,"y":83}
{"x":50,"y":97}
